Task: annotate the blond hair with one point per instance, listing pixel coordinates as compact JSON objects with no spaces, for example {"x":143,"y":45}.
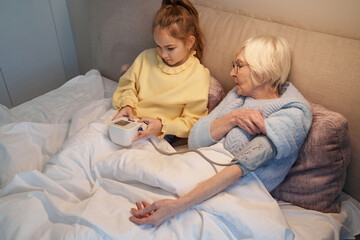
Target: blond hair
{"x":269,"y":59}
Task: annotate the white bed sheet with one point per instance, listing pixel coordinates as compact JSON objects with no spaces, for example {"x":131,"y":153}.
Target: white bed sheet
{"x":89,"y":184}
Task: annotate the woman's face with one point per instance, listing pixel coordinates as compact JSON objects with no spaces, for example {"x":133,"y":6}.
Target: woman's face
{"x":173,"y":51}
{"x":242,"y":77}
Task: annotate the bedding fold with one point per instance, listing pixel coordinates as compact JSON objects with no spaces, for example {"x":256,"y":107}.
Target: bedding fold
{"x":89,"y":186}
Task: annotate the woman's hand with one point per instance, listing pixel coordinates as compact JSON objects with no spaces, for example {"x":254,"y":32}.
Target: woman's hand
{"x":156,"y":213}
{"x":154,"y":127}
{"x":159,"y":211}
{"x":126,"y":111}
{"x":248,"y":119}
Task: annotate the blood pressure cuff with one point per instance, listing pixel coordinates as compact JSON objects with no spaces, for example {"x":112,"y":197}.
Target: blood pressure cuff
{"x":257,"y":152}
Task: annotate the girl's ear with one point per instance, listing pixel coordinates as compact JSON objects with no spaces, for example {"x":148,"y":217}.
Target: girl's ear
{"x":190,"y":42}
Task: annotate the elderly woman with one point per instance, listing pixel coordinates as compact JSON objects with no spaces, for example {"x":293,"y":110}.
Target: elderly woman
{"x":263,"y":122}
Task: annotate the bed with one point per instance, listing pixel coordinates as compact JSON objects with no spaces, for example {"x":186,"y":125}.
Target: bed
{"x":82,"y":185}
{"x":63,"y":178}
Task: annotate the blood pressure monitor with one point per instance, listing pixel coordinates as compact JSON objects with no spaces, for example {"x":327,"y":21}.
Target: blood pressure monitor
{"x":123,"y":130}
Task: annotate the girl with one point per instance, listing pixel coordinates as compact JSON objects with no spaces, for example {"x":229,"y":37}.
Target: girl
{"x":167,"y":87}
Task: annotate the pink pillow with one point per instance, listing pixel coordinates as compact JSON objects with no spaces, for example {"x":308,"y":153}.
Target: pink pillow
{"x":216,"y":93}
{"x":318,"y":175}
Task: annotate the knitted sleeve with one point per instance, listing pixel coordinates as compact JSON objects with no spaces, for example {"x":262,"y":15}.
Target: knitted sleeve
{"x":288,"y":128}
{"x":200,"y":133}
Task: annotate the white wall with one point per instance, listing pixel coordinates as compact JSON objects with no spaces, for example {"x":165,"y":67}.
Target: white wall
{"x":37,"y":49}
{"x":79,"y":13}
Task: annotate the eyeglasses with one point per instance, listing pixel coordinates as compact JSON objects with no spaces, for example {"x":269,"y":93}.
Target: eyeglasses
{"x":237,"y":66}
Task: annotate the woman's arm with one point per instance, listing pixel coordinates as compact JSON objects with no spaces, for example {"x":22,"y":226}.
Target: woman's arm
{"x":210,"y":129}
{"x":161,"y":210}
{"x":250,"y":120}
{"x":287,"y":128}
{"x":254,"y":155}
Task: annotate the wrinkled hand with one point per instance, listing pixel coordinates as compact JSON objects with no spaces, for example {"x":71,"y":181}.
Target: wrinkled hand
{"x":250,"y":120}
{"x":154,"y":127}
{"x":126,"y":111}
{"x":156,"y":213}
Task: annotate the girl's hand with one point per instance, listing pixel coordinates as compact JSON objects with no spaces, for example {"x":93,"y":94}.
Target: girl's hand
{"x":156,"y":213}
{"x":154,"y":127}
{"x":126,"y":111}
{"x":250,"y":120}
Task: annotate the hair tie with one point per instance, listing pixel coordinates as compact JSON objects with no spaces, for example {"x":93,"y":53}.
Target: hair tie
{"x":181,"y":4}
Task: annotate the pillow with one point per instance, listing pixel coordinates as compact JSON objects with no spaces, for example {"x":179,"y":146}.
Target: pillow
{"x":318,"y":175}
{"x":216,"y":91}
{"x":32,"y":132}
{"x":26,"y":146}
{"x":58,"y":105}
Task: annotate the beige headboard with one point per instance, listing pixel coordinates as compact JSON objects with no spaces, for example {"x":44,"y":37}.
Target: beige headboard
{"x":326,"y":59}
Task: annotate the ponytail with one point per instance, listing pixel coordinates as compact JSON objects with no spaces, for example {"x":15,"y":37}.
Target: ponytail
{"x":181,"y":18}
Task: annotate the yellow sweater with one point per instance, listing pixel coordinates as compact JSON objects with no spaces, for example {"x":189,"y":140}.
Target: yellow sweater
{"x":176,"y":95}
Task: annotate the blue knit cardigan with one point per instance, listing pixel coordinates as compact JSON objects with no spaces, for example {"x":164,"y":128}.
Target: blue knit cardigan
{"x":287,"y":121}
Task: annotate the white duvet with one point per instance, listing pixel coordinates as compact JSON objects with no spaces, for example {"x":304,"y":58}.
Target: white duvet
{"x":77,"y":184}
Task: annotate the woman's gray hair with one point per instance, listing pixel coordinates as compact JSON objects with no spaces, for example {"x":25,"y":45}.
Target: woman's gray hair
{"x":269,"y":59}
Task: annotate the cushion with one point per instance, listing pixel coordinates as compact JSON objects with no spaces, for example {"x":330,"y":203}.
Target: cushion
{"x":318,"y":175}
{"x":216,"y":91}
{"x":58,"y":105}
{"x":41,"y":125}
{"x":26,"y":146}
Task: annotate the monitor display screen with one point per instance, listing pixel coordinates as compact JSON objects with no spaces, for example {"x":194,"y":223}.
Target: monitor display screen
{"x":122,"y":123}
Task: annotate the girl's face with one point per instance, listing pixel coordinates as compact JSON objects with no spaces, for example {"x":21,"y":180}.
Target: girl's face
{"x":173,"y":51}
